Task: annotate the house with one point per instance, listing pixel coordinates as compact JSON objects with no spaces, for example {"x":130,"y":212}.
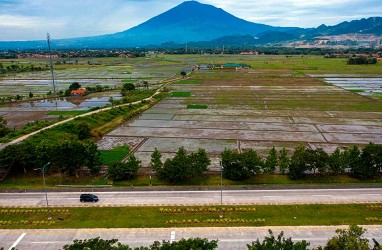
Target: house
{"x":78,"y":92}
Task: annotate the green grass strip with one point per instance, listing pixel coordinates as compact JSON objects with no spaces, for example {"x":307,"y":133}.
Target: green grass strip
{"x":115,"y":155}
{"x":151,"y":217}
{"x":68,"y":112}
{"x":197,"y":106}
{"x":181,"y":94}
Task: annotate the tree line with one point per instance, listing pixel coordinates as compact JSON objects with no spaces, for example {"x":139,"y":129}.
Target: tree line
{"x":346,"y":239}
{"x":69,"y":156}
{"x":15,"y":68}
{"x":363,"y":163}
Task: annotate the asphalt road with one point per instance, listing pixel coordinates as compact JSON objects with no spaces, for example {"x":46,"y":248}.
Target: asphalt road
{"x":229,"y":197}
{"x":228,"y":237}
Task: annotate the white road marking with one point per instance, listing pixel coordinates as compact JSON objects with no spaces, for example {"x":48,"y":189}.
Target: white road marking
{"x":321,"y":195}
{"x":17,"y":241}
{"x":175,"y":197}
{"x":172,"y":238}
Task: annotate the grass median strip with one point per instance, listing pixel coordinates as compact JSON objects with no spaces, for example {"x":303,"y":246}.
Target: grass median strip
{"x":154,"y":217}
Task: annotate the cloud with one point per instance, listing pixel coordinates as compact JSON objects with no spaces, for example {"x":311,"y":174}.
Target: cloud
{"x":26,"y":19}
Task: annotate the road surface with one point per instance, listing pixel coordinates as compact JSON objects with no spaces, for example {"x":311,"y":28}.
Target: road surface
{"x":229,"y":197}
{"x":228,"y":237}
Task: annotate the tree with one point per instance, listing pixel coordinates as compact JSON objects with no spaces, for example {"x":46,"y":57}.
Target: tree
{"x":238,"y":166}
{"x":182,"y":167}
{"x":124,"y":171}
{"x":30,"y":95}
{"x":283,"y":160}
{"x":271,"y":162}
{"x":199,"y":161}
{"x":96,"y":243}
{"x":183,"y":74}
{"x":353,"y":161}
{"x":336,"y":162}
{"x":113,"y":244}
{"x":4,"y":130}
{"x":176,"y":170}
{"x":92,"y":157}
{"x":298,"y":163}
{"x":82,"y":129}
{"x":348,"y":239}
{"x":156,"y":162}
{"x":279,"y":243}
{"x":146,"y":84}
{"x":192,"y":243}
{"x":128,"y":87}
{"x":371,"y":159}
{"x":74,"y":86}
{"x":317,"y":160}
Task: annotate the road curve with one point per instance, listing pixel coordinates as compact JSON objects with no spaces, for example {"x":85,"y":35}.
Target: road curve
{"x":229,"y":197}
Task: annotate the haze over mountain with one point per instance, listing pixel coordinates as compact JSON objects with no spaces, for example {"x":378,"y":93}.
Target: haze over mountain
{"x":192,"y":21}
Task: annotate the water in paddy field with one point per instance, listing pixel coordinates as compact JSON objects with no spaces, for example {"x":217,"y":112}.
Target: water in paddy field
{"x":69,"y":103}
{"x":363,"y":86}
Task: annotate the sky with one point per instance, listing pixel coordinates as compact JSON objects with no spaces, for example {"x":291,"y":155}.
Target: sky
{"x":32,"y":19}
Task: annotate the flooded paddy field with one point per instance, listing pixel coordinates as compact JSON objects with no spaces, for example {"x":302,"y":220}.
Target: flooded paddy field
{"x":364,"y":86}
{"x":246,"y":111}
{"x":18,"y":114}
{"x":112,"y":72}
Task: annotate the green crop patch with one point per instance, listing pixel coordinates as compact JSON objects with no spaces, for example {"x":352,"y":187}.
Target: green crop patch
{"x":116,"y":154}
{"x":196,"y":106}
{"x":181,"y":94}
{"x":189,"y":82}
{"x":357,"y":90}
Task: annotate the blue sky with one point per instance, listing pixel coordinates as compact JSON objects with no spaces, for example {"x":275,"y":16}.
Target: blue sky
{"x":32,"y":19}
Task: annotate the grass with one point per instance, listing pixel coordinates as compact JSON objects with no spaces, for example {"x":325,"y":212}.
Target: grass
{"x":357,"y":90}
{"x":114,"y":155}
{"x":68,"y":112}
{"x":150,"y":217}
{"x":33,"y":181}
{"x":189,"y":82}
{"x":181,"y":94}
{"x":197,"y":106}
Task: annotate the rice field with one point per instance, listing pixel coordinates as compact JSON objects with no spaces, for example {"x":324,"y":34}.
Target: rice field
{"x":258,"y":111}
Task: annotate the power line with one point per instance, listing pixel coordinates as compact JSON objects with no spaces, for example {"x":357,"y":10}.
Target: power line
{"x":51,"y":63}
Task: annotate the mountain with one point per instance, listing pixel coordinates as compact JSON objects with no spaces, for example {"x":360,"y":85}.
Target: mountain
{"x":187,"y":22}
{"x":371,"y":25}
{"x":193,"y":22}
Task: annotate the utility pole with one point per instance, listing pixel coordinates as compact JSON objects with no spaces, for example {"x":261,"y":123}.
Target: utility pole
{"x":46,"y":194}
{"x":221,"y":190}
{"x":51,"y":63}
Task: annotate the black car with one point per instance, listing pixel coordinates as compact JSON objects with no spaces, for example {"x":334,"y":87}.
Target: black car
{"x":88,"y":197}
